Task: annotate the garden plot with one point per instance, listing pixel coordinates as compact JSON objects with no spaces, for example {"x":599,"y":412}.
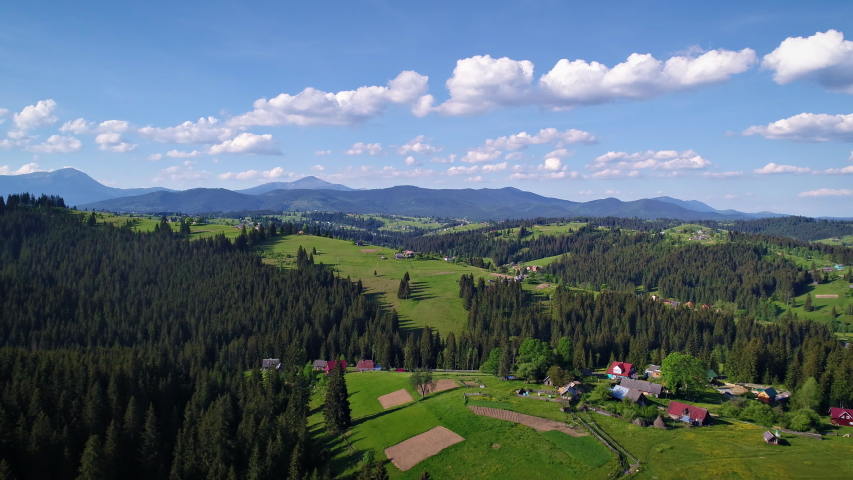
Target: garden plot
{"x":444,"y":384}
{"x":409,"y":453}
{"x":536,"y":423}
{"x":395,"y":398}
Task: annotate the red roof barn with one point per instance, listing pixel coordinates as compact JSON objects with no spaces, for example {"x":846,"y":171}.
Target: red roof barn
{"x":331,"y":366}
{"x":364,"y":366}
{"x":688,"y":413}
{"x":620,"y":369}
{"x":841,"y":416}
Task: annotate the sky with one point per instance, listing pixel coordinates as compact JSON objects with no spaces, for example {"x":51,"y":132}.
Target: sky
{"x":744,"y":105}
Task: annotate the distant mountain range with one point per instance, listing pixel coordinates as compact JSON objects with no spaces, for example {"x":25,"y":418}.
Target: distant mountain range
{"x":311,"y":193}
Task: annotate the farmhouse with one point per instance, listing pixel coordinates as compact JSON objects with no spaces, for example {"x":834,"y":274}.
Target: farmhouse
{"x":767,"y":395}
{"x":653,"y":371}
{"x":688,"y":413}
{"x":331,"y":365}
{"x":619,"y":392}
{"x":620,"y":370}
{"x":770,"y":439}
{"x":320,"y":364}
{"x":841,"y":416}
{"x":271,"y":364}
{"x":647,"y":388}
{"x":364,"y":366}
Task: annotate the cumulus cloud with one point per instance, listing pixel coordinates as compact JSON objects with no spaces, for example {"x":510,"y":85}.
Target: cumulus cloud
{"x":180,"y":154}
{"x":475,"y":156}
{"x":32,"y":117}
{"x":544,"y":176}
{"x":461,"y":170}
{"x":493,"y":148}
{"x":206,"y":131}
{"x":114,"y":142}
{"x":483,"y":83}
{"x":323,"y":152}
{"x":722,"y":174}
{"x":808,"y":127}
{"x":76,"y":126}
{"x":181,"y":174}
{"x":827,"y":192}
{"x":384,"y":172}
{"x":318,"y":168}
{"x":57,"y":144}
{"x":113,"y":126}
{"x":559,"y":153}
{"x":349,"y":107}
{"x":452,"y":158}
{"x":836,"y":171}
{"x":154,"y":157}
{"x":771,"y":168}
{"x":360,"y":148}
{"x":248,"y":144}
{"x":552,"y":164}
{"x":276,"y":172}
{"x":498,"y":167}
{"x":620,"y":164}
{"x":410,"y":160}
{"x":416,"y":145}
{"x":825,"y":58}
{"x":28,"y":168}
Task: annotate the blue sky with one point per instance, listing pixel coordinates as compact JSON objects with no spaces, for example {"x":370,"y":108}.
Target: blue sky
{"x":740,"y":106}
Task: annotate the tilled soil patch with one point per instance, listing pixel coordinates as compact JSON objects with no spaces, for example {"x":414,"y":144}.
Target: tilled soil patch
{"x":536,"y":423}
{"x":444,"y":384}
{"x":409,"y":453}
{"x":395,"y":398}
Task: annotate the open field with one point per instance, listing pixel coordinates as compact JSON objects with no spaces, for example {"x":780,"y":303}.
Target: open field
{"x":492,"y":448}
{"x":845,"y":240}
{"x":434,"y":283}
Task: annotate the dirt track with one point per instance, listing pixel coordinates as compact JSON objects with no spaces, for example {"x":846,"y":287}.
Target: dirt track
{"x":409,"y":453}
{"x":395,"y":398}
{"x":536,"y":423}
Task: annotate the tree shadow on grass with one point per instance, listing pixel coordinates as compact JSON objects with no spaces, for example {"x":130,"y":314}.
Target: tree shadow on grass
{"x":373,"y":416}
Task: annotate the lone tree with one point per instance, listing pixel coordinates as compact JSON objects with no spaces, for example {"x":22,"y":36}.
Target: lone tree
{"x":404,"y":291}
{"x":336,"y":409}
{"x":683,"y":371}
{"x":421,"y":380}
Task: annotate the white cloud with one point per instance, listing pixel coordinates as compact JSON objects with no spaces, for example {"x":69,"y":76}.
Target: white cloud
{"x":206,"y":131}
{"x":474,"y":179}
{"x":318,"y":168}
{"x":474,"y":156}
{"x":114,"y":142}
{"x":32,"y":117}
{"x":827,"y":192}
{"x":276,"y":172}
{"x":498,"y":167}
{"x":544,"y":176}
{"x":552,"y":164}
{"x":180,"y":154}
{"x":722,"y":174}
{"x":612,"y":192}
{"x":76,"y":126}
{"x":155,"y":156}
{"x":483,"y":83}
{"x":385,"y":172}
{"x":824,"y":57}
{"x":492,"y":148}
{"x":416,"y":145}
{"x":410,"y":160}
{"x":249,"y":144}
{"x":181,"y":174}
{"x":615,"y":164}
{"x":774,"y":168}
{"x":460,"y":170}
{"x":559,"y":153}
{"x":514,"y":156}
{"x":113,"y":126}
{"x":349,"y":107}
{"x":57,"y":144}
{"x":323,"y":152}
{"x":359,"y":148}
{"x":28,"y":168}
{"x":807,"y":127}
{"x":587,"y":192}
{"x":3,"y":112}
{"x":835,"y":171}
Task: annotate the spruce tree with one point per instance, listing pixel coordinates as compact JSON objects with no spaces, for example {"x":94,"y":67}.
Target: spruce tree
{"x":92,"y":465}
{"x":807,"y":306}
{"x":336,"y":409}
{"x":150,"y":444}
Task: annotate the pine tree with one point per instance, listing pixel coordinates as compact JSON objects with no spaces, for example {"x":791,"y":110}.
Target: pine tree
{"x":150,"y":444}
{"x":380,"y":472}
{"x":336,"y":409}
{"x":807,"y":306}
{"x":425,"y":476}
{"x":5,"y":471}
{"x":92,"y":465}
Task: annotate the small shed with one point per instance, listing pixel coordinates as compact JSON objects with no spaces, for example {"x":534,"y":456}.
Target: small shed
{"x":640,"y":422}
{"x":271,"y":364}
{"x":653,"y":371}
{"x":320,"y":364}
{"x":767,"y":395}
{"x":660,"y":423}
{"x":771,"y":439}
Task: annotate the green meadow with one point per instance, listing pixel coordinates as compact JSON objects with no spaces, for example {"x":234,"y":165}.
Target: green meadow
{"x":492,"y":448}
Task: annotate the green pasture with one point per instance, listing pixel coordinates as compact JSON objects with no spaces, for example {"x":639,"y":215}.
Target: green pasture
{"x":537,"y":231}
{"x":434,"y":283}
{"x":492,"y":448}
{"x":846,"y":240}
{"x":729,"y":450}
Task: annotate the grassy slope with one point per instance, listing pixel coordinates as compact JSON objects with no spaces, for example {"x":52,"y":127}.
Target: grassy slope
{"x":492,"y":448}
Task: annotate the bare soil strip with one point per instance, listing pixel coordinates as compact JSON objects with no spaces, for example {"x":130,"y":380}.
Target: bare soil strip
{"x":536,"y":423}
{"x":369,"y":250}
{"x":444,"y":384}
{"x":438,"y":273}
{"x":542,"y":285}
{"x":826,"y":296}
{"x":395,"y":398}
{"x":409,"y":453}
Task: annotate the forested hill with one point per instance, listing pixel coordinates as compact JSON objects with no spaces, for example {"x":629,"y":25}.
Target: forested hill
{"x":123,"y":354}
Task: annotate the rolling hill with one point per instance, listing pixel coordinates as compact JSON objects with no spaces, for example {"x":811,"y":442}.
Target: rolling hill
{"x":71,"y":184}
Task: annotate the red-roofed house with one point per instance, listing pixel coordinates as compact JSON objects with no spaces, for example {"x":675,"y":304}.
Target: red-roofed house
{"x":331,"y":366}
{"x":364,"y":366}
{"x":620,"y":370}
{"x":841,"y":416}
{"x":688,"y":413}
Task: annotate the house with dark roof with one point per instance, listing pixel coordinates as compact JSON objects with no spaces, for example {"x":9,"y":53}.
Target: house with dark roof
{"x":331,"y":366}
{"x":771,"y":439}
{"x":620,"y":393}
{"x":320,"y":364}
{"x":364,"y":366}
{"x":271,"y":364}
{"x":586,"y":372}
{"x":767,"y":395}
{"x":647,"y":388}
{"x":688,"y":413}
{"x":399,"y":256}
{"x":653,"y":371}
{"x":841,"y":416}
{"x":620,"y":370}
